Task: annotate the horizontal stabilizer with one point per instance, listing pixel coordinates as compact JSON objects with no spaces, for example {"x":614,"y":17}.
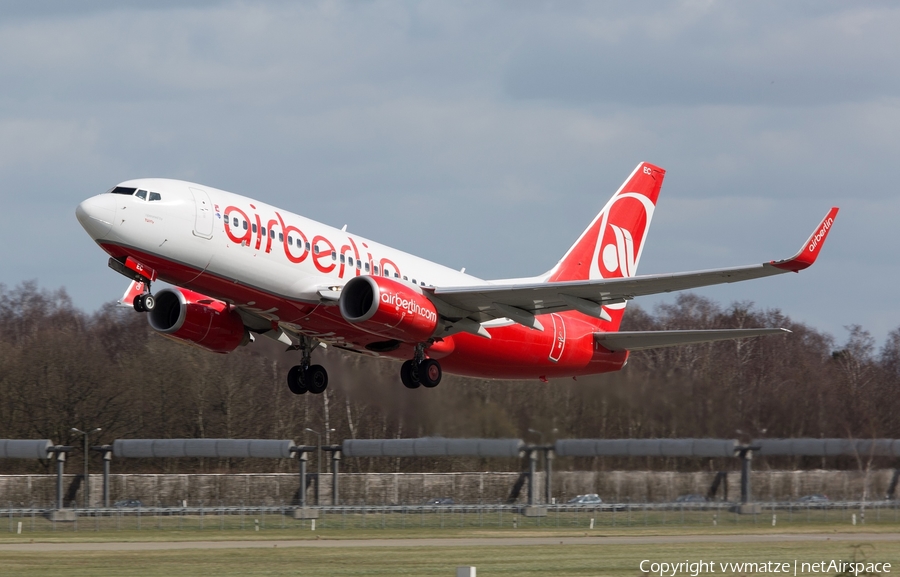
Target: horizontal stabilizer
{"x":637,"y":340}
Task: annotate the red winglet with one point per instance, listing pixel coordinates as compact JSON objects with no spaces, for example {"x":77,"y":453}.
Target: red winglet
{"x":810,"y":250}
{"x":134,"y":289}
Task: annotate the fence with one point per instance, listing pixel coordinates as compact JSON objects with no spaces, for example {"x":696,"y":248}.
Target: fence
{"x":458,"y":517}
{"x":273,"y":489}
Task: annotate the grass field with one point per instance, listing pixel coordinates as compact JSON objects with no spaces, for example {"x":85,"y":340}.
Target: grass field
{"x":551,"y":560}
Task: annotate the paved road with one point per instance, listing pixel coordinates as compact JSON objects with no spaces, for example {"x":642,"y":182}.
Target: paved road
{"x":464,"y":542}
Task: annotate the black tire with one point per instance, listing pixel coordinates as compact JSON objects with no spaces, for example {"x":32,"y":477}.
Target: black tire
{"x":138,"y":304}
{"x":406,"y":376}
{"x":430,"y":373}
{"x":295,"y":380}
{"x":316,"y":379}
{"x":149,"y":301}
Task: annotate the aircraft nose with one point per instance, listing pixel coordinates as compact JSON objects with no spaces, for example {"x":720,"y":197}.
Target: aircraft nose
{"x":96,"y":215}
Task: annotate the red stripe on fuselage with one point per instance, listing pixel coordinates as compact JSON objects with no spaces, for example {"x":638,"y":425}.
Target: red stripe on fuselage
{"x":513,"y":352}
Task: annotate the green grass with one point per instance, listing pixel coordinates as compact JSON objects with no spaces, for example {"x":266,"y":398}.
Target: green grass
{"x":558,"y":561}
{"x":442,"y":524}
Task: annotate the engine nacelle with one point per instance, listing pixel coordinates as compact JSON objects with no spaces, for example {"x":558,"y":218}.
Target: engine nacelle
{"x":388,"y":308}
{"x":197,"y":319}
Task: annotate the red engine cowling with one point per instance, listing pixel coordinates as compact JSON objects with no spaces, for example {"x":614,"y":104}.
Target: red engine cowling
{"x":388,"y":308}
{"x":197,"y":319}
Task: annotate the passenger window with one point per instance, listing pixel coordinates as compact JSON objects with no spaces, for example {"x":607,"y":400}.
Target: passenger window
{"x":280,"y":237}
{"x":396,"y":275}
{"x":141,"y":194}
{"x":414,"y":281}
{"x":254,"y":228}
{"x":375,"y":267}
{"x":358,"y":264}
{"x":236,"y":224}
{"x":307,"y":246}
{"x":290,"y":241}
{"x":262,"y":232}
{"x":333,"y":255}
{"x":367,"y":267}
{"x":272,"y":233}
{"x":422,"y":283}
{"x":342,"y":259}
{"x":155,"y":196}
{"x":404,"y":277}
{"x":245,"y":225}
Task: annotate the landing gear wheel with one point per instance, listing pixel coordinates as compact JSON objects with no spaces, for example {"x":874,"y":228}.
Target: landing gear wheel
{"x":409,"y":375}
{"x":295,"y":380}
{"x":430,"y":373}
{"x":316,"y":379}
{"x":143,"y":303}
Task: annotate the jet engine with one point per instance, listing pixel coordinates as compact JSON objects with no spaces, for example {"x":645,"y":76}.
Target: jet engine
{"x":197,"y":319}
{"x":388,"y":308}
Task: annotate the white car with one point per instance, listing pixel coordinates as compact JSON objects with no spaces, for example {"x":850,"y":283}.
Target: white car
{"x":588,"y":499}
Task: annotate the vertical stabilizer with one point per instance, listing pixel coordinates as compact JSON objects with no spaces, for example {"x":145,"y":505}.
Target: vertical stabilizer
{"x":611,"y":246}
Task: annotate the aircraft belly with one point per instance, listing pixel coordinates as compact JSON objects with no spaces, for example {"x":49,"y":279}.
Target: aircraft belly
{"x":515,"y":352}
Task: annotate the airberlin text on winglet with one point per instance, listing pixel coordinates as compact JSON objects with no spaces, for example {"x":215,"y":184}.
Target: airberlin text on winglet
{"x":821,"y":234}
{"x":807,"y":256}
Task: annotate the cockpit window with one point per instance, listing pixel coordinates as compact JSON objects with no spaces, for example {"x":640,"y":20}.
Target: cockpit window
{"x":155,"y":196}
{"x":123,"y":190}
{"x":141,"y":194}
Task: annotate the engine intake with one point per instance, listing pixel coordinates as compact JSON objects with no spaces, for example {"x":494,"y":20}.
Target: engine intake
{"x":388,"y":308}
{"x":197,"y":319}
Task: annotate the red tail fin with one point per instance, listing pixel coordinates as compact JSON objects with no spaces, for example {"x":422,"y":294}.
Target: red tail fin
{"x":611,"y":246}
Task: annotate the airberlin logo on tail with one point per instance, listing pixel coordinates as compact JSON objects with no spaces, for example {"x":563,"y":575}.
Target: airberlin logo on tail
{"x":620,"y":240}
{"x":411,"y":307}
{"x":621,"y":254}
{"x":817,"y":238}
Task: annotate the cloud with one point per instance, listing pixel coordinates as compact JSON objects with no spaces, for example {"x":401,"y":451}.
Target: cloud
{"x":697,"y":54}
{"x":477,"y":134}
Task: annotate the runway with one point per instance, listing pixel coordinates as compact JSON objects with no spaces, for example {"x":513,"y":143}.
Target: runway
{"x":461,"y":542}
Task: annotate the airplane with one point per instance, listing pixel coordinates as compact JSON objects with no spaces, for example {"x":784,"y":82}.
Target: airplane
{"x":240,"y":268}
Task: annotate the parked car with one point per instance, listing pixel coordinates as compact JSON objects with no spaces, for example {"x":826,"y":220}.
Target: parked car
{"x":814,"y":499}
{"x":440,"y":501}
{"x":133,"y":503}
{"x":588,"y":499}
{"x":691,"y":498}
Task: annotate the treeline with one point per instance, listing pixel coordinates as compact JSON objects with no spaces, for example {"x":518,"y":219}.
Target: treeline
{"x":62,"y":368}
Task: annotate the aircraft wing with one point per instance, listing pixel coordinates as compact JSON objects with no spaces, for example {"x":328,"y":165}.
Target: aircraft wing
{"x":520,"y":302}
{"x":637,"y":340}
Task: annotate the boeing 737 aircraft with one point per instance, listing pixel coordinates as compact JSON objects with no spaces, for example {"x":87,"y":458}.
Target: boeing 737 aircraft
{"x":242,"y":268}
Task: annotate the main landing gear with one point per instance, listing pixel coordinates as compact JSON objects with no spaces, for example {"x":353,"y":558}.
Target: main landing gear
{"x":307,"y":378}
{"x":420,"y":371}
{"x":144,"y":302}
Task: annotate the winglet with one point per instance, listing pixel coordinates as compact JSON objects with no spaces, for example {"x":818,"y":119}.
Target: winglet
{"x":810,"y":250}
{"x":134,"y":289}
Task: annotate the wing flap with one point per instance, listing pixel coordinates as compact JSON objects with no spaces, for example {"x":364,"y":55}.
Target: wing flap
{"x":638,"y":340}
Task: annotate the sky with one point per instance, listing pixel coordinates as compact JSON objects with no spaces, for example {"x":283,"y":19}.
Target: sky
{"x":477,"y":134}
